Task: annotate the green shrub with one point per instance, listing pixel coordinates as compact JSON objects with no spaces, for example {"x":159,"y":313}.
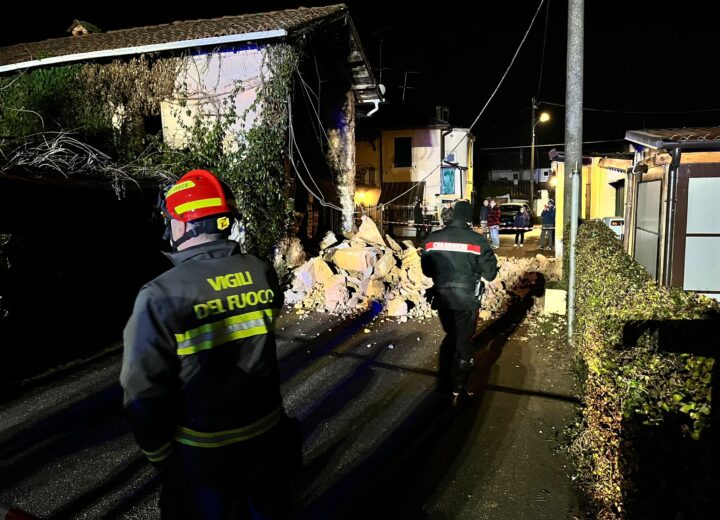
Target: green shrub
{"x":635,"y":387}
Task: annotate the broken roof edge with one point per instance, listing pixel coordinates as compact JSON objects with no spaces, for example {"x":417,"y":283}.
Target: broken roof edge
{"x":355,"y":40}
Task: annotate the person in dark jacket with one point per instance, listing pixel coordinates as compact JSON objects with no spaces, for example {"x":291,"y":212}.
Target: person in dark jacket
{"x":521,"y":225}
{"x":200,"y":372}
{"x":458,"y":259}
{"x":547,"y":233}
{"x":484,"y":216}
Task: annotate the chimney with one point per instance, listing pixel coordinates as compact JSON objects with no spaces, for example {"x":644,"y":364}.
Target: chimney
{"x":81,"y":28}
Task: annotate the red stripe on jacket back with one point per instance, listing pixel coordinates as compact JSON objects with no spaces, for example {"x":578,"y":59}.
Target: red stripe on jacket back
{"x":454,"y":246}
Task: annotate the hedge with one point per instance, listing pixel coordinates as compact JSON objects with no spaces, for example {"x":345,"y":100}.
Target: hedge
{"x":643,"y":448}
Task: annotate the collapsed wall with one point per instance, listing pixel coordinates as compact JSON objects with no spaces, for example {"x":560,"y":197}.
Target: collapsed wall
{"x":349,"y":274}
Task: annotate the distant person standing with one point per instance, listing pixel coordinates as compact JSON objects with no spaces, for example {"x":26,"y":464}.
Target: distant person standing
{"x":521,"y":225}
{"x":484,"y":216}
{"x":548,"y":225}
{"x":493,"y":223}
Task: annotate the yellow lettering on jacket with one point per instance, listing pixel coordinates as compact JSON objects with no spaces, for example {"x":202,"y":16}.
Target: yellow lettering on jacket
{"x":209,"y":308}
{"x":242,"y":300}
{"x":232,"y":302}
{"x":230,"y":280}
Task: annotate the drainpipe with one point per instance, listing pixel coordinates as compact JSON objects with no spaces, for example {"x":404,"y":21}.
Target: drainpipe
{"x":627,"y":205}
{"x":376,"y":102}
{"x":633,"y":175}
{"x":443,"y":134}
{"x":670,"y":207}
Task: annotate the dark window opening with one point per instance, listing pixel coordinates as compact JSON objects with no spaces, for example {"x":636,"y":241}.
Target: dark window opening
{"x":403,"y":151}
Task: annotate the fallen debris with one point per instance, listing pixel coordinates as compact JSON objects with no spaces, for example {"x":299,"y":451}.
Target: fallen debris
{"x":348,"y":275}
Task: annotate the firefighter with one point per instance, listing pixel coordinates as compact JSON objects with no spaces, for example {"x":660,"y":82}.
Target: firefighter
{"x":458,"y":260}
{"x":200,"y":371}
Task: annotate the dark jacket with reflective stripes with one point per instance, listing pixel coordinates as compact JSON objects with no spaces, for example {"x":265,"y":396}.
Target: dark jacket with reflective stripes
{"x":199,"y":361}
{"x":455,"y":258}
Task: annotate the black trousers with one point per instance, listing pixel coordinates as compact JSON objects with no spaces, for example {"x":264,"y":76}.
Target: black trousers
{"x":456,"y":350}
{"x":242,"y":481}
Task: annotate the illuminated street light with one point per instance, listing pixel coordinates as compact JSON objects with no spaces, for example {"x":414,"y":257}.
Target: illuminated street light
{"x":544,"y":116}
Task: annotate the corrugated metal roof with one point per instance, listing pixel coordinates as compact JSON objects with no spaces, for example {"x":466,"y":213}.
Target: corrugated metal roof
{"x":708,"y":137}
{"x":290,"y":20}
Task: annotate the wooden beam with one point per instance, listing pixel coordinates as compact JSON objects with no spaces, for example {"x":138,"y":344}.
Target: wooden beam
{"x":699,"y":157}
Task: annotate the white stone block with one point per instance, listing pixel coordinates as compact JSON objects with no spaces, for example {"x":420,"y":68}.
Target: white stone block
{"x":555,"y":302}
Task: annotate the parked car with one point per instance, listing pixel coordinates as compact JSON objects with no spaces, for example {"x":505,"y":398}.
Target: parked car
{"x":508,"y":212}
{"x":617,"y":224}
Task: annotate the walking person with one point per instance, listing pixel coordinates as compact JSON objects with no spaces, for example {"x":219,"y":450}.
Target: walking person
{"x":200,"y":371}
{"x":521,"y":225}
{"x":458,"y":260}
{"x":547,"y":233}
{"x":493,"y":223}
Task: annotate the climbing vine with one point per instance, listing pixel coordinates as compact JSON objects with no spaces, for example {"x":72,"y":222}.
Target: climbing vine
{"x":101,"y":110}
{"x":251,"y":161}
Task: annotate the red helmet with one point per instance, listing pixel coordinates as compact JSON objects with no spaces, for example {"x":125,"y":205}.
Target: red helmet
{"x":198,"y":194}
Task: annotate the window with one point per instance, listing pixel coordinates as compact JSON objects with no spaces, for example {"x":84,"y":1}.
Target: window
{"x":447,"y":181}
{"x":403,"y":152}
{"x":364,"y":175}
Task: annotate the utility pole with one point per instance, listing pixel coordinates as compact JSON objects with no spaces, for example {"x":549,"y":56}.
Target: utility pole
{"x":532,"y":154}
{"x":573,"y":139}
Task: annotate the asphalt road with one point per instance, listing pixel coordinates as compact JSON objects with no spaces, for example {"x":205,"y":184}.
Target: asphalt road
{"x":378,"y":441}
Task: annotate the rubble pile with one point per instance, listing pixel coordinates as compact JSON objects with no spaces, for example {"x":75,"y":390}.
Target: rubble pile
{"x":512,"y":270}
{"x":350,"y":273}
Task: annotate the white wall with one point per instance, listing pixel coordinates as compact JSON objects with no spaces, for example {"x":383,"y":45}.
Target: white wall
{"x":425,"y":159}
{"x":210,"y":81}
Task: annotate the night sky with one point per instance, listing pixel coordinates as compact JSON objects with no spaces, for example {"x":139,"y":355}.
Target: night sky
{"x":645,"y":66}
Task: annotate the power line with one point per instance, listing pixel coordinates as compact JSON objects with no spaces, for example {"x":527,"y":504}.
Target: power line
{"x":542,"y":58}
{"x":547,"y":145}
{"x":637,"y":112}
{"x":512,"y":61}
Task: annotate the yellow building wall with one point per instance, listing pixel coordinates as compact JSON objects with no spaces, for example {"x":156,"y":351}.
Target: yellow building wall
{"x":367,"y":154}
{"x":602,"y":194}
{"x":425,"y":146}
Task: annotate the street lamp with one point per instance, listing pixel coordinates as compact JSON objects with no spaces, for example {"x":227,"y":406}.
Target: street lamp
{"x":544,"y":116}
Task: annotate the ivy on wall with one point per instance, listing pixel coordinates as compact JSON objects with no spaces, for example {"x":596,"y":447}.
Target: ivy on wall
{"x":105,"y":106}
